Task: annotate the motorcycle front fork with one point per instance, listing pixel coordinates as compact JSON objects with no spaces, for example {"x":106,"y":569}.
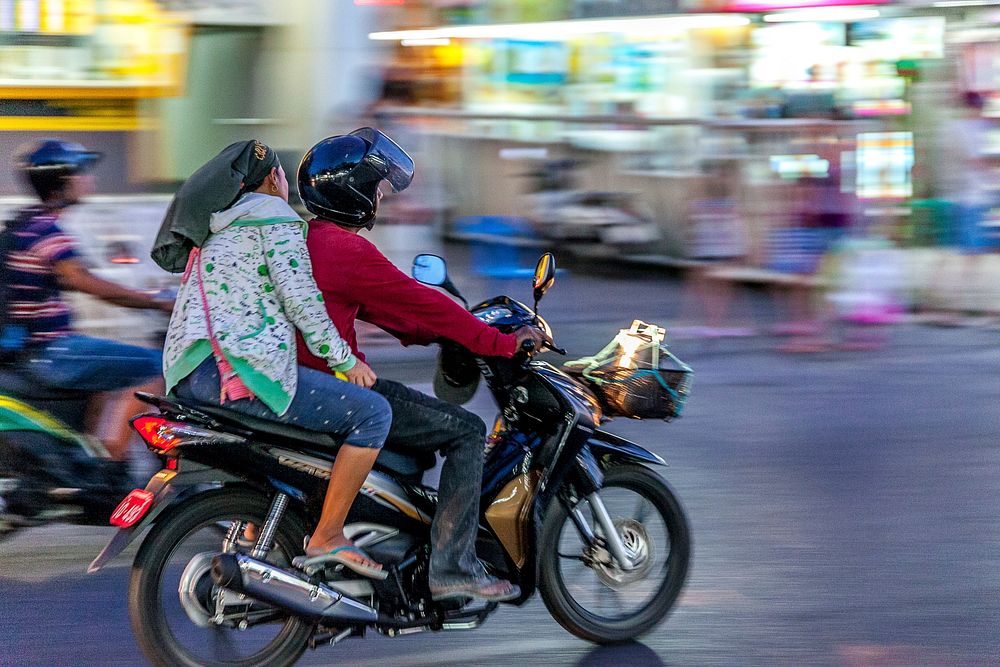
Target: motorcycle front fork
{"x":607,"y":529}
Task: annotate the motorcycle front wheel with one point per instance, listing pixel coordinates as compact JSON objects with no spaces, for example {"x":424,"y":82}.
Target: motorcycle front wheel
{"x":174,"y":628}
{"x":583,"y":586}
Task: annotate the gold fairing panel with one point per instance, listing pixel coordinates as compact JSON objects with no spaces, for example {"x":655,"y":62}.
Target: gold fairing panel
{"x":508,"y":515}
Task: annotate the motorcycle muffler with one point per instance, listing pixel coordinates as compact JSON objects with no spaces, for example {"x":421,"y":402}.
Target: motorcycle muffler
{"x":285,"y":590}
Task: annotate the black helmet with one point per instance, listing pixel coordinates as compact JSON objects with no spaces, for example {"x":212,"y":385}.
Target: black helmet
{"x":338,"y":178}
{"x":47,"y":164}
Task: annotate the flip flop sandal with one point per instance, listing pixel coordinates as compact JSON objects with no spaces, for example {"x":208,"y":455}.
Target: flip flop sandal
{"x":336,"y":556}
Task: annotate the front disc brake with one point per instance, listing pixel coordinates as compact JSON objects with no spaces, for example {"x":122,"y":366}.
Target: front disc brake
{"x":639,"y":550}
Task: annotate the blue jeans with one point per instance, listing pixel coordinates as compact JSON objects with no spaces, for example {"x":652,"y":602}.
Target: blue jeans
{"x":322,"y":403}
{"x":92,"y":364}
{"x":422,"y":424}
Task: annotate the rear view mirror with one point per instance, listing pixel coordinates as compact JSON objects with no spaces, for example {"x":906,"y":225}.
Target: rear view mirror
{"x":432,"y":270}
{"x":429,"y":270}
{"x":545,"y":275}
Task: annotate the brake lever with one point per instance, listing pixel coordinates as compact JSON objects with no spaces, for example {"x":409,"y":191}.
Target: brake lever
{"x":557,"y":350}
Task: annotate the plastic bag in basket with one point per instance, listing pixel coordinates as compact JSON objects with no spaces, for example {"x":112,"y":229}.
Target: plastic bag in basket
{"x":636,"y":376}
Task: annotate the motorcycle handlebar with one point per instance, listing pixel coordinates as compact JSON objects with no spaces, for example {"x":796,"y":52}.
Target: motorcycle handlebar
{"x":528,"y":347}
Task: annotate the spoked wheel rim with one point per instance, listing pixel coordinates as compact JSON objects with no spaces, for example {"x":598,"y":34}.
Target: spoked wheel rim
{"x":189,"y":604}
{"x":593,"y":581}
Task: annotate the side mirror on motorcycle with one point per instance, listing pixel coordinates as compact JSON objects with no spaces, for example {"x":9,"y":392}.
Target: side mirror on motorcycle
{"x":545,"y":275}
{"x":433,"y":270}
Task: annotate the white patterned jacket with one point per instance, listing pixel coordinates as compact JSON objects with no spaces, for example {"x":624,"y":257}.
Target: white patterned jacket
{"x":259,"y":286}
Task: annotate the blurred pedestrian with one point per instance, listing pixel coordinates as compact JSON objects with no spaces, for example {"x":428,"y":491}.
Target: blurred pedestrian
{"x":42,"y":262}
{"x":821,"y":214}
{"x":717,"y":240}
{"x":975,"y":224}
{"x":867,"y":288}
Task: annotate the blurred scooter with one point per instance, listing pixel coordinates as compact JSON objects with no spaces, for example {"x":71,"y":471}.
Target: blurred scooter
{"x":50,"y":469}
{"x":614,"y":222}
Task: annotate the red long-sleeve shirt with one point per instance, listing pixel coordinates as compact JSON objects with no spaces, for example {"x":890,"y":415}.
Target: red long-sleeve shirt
{"x":358,"y":282}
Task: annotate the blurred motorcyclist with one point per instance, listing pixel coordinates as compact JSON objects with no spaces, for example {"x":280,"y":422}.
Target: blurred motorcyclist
{"x":339,"y":181}
{"x":40,"y":262}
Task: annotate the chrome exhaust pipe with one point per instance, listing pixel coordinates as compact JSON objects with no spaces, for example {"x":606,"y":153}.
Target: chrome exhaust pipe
{"x":285,"y":590}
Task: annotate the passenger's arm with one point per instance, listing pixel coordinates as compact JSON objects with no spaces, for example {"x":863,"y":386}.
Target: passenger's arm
{"x":292,"y":279}
{"x":73,"y":275}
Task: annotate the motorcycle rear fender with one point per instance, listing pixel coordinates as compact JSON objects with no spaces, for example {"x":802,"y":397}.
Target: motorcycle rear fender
{"x":165,"y":486}
{"x":616,"y":447}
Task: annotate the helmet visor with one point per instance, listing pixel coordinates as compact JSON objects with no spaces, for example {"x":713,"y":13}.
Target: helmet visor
{"x":386,"y":159}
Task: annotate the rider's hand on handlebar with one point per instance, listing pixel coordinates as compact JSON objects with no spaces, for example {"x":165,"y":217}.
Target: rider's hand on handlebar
{"x":361,"y":374}
{"x":533,"y":334}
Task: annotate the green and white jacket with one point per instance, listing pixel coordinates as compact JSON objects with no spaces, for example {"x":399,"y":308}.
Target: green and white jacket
{"x":259,"y":286}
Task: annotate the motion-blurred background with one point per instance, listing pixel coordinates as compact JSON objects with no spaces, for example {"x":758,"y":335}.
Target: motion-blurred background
{"x":805,"y":144}
{"x":758,"y":176}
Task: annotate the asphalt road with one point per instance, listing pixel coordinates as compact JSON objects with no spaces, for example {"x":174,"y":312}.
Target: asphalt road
{"x":843,"y":508}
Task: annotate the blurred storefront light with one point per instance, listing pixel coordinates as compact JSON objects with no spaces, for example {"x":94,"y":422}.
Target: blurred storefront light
{"x":435,"y":41}
{"x":823,"y":14}
{"x":555,"y":30}
{"x":966,"y":3}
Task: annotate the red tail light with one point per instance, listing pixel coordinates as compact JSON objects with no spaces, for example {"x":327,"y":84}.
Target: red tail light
{"x":161,"y":434}
{"x":156,"y":432}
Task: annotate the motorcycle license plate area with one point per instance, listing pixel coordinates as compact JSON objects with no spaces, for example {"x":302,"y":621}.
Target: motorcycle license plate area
{"x":132,"y":508}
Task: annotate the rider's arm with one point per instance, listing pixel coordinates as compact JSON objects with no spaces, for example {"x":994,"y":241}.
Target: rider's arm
{"x":73,"y":275}
{"x":417,"y":314}
{"x":291,"y":275}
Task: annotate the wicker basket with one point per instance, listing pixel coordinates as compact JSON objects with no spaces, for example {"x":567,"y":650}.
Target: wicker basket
{"x":637,"y":376}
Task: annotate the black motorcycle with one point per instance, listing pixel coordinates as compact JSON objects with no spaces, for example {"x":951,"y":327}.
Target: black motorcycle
{"x":566,"y":508}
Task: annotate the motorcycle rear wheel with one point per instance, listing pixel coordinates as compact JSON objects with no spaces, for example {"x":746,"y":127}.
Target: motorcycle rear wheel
{"x":560,"y":584}
{"x":210,"y":510}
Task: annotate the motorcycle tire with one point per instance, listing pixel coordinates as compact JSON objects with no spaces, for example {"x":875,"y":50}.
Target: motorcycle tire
{"x":553,"y":588}
{"x":145,"y":611}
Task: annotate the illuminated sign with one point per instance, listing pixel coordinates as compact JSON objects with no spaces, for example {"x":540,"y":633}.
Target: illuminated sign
{"x":884,"y":164}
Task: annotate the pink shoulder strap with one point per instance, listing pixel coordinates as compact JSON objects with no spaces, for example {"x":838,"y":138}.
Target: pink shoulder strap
{"x":231,"y":387}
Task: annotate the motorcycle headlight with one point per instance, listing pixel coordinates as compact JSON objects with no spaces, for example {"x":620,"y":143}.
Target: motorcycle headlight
{"x":491,"y":315}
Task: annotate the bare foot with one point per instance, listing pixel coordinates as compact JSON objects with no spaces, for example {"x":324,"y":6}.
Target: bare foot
{"x":316,"y":548}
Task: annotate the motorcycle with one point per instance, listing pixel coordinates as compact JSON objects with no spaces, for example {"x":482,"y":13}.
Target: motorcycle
{"x":567,"y":509}
{"x":51,"y":470}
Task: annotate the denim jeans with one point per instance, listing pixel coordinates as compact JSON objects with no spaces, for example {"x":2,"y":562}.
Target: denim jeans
{"x":321,"y":403}
{"x":92,"y":364}
{"x":423,"y":424}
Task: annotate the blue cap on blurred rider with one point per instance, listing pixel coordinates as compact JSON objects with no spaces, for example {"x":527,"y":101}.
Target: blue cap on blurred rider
{"x":49,"y":163}
{"x":339,"y":177}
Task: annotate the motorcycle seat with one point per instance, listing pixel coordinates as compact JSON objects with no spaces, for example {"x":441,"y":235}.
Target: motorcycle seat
{"x":318,"y":444}
{"x":14,"y":382}
{"x":295,"y":434}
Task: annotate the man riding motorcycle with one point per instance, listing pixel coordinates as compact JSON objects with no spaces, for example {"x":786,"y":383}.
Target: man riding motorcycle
{"x":40,"y":262}
{"x":339,"y":180}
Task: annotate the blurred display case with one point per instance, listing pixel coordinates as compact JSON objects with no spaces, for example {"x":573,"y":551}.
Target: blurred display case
{"x":84,"y":65}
